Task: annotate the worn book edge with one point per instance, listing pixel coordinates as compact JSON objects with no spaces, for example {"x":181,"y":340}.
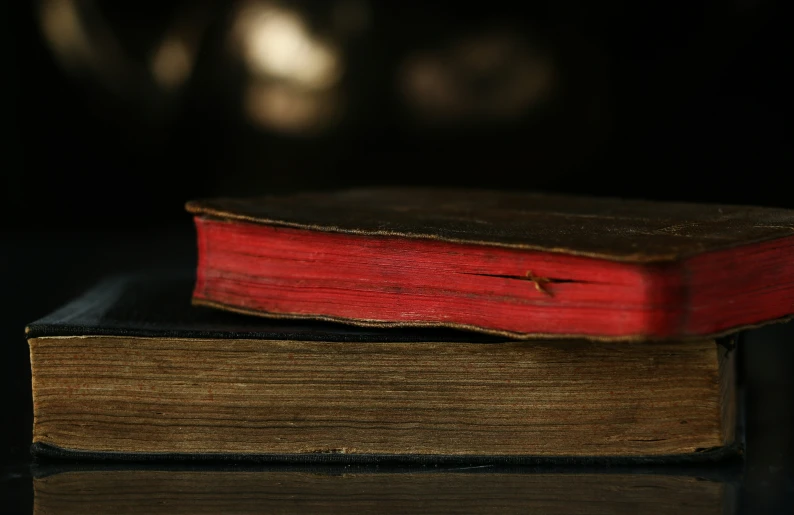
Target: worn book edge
{"x":381,"y":324}
{"x":725,"y":454}
{"x":50,"y":458}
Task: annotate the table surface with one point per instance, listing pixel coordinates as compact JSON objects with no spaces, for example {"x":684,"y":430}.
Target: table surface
{"x":230,"y":488}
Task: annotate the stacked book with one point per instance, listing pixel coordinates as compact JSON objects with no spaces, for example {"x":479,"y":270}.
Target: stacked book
{"x":422,"y":326}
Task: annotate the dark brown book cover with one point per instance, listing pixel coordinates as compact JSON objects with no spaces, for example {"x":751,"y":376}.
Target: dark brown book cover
{"x":608,"y":228}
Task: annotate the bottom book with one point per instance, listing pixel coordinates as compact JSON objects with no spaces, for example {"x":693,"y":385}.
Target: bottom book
{"x":149,"y":490}
{"x":132,"y":371}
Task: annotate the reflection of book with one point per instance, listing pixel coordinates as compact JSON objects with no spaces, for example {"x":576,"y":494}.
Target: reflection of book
{"x":152,"y":491}
{"x":132,"y":368}
{"x":509,"y":263}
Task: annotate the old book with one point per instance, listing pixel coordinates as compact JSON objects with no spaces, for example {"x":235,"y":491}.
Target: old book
{"x":240,"y":490}
{"x":515,"y":264}
{"x":132,"y":371}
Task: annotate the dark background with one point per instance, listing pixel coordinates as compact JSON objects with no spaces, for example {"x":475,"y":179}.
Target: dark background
{"x":102,"y":145}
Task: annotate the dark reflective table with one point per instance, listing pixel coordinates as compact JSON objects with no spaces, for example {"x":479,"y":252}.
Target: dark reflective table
{"x":70,"y":488}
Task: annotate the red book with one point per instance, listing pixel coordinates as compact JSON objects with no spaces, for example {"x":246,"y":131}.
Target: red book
{"x":516,"y":264}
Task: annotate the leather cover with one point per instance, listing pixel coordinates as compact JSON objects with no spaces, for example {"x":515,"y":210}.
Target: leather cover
{"x":615,"y":229}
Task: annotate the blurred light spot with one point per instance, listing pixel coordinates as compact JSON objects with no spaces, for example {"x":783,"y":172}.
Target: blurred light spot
{"x":496,"y":76}
{"x":290,"y":110}
{"x":172,"y":63}
{"x":278,"y":44}
{"x":430,"y":87}
{"x":294,"y":83}
{"x":64,"y":30}
{"x":82,"y":42}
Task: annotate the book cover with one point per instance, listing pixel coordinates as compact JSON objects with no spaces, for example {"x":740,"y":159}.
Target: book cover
{"x":514,"y":264}
{"x":132,"y":371}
